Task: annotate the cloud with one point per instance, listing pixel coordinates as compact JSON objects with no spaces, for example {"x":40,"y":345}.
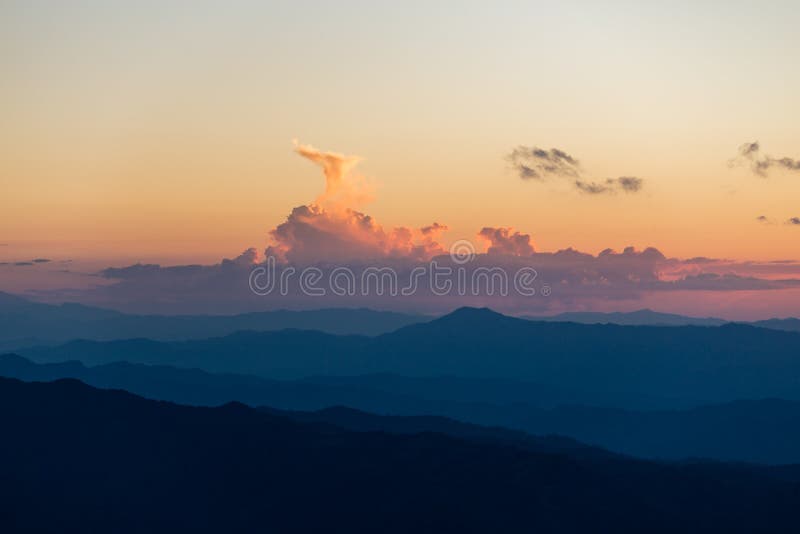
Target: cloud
{"x":628,"y":184}
{"x":330,"y":229}
{"x":794,"y":221}
{"x":343,"y":189}
{"x":312,"y":234}
{"x":505,"y":241}
{"x":762,"y":219}
{"x":574,"y":280}
{"x":750,"y":153}
{"x":331,"y":234}
{"x":534,"y":163}
{"x":41,"y":260}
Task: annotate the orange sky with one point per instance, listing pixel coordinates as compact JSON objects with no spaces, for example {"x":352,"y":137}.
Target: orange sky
{"x":164,"y":133}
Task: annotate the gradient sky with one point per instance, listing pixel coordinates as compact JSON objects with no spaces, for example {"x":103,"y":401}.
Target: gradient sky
{"x":161,"y":131}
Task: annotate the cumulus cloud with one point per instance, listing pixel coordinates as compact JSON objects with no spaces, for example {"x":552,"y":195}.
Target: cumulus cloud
{"x":534,"y":163}
{"x":506,"y":241}
{"x":750,"y":154}
{"x":331,"y":229}
{"x":311,"y":234}
{"x":794,"y":221}
{"x":343,"y":188}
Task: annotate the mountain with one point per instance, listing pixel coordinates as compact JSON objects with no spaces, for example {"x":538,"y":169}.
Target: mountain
{"x":790,"y":325}
{"x":692,"y":365}
{"x":360,"y":421}
{"x":705,"y":364}
{"x":635,"y":318}
{"x":763,"y":431}
{"x":74,"y":458}
{"x":653,"y":318}
{"x":25,"y":323}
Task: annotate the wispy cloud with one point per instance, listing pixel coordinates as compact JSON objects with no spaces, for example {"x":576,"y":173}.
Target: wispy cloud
{"x":534,"y":163}
{"x":761,"y":164}
{"x":627,"y":184}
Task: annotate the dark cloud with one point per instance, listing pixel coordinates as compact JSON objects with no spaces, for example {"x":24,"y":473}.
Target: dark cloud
{"x":433,"y":229}
{"x":594,"y":188}
{"x":760,"y":164}
{"x":628,"y":184}
{"x":534,"y":163}
{"x":26,"y":263}
{"x":794,"y":221}
{"x":762,"y":218}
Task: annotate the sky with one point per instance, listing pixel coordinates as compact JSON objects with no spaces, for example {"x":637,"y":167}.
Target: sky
{"x":162,"y":132}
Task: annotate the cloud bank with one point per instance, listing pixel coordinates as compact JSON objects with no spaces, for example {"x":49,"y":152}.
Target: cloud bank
{"x":333,"y":245}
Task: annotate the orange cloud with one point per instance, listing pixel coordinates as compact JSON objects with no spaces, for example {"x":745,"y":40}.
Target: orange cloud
{"x":343,"y":189}
{"x":330,"y":229}
{"x":506,"y":241}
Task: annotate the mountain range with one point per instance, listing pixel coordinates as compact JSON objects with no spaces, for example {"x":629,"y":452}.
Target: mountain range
{"x":74,"y":458}
{"x":24,"y":323}
{"x":764,"y":431}
{"x":689,"y":364}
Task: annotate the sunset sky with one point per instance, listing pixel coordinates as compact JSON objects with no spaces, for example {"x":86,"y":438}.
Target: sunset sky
{"x":162,"y":131}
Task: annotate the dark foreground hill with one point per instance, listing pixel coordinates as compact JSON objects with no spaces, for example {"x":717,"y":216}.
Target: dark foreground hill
{"x":763,"y":431}
{"x":74,"y":458}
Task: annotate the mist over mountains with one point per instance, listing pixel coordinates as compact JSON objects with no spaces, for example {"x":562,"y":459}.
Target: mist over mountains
{"x":692,"y":364}
{"x":764,"y":431}
{"x":25,"y":323}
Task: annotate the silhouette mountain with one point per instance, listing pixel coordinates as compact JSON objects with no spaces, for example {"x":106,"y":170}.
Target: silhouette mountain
{"x":763,"y":431}
{"x":790,"y":324}
{"x":687,"y":363}
{"x":26,"y":323}
{"x":74,"y":458}
{"x":653,"y":318}
{"x":643,"y":317}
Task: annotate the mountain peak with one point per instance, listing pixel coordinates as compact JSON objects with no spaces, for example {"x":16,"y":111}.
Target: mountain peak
{"x":472,"y":314}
